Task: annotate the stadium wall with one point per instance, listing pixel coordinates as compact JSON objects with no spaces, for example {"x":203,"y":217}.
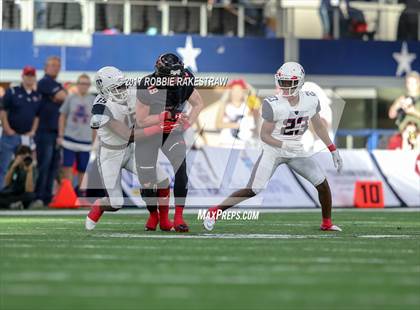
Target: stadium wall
{"x":217,"y":172}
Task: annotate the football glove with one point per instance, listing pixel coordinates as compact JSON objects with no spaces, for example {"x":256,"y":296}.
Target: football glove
{"x":183,"y":120}
{"x":338,"y":162}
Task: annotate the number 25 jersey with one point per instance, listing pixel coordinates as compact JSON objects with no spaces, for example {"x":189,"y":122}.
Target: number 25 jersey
{"x":291,"y":121}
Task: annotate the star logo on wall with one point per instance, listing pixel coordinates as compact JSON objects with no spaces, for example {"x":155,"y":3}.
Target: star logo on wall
{"x":404,"y":59}
{"x":189,"y":53}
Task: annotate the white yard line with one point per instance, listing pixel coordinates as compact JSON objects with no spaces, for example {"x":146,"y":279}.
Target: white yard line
{"x":243,"y":236}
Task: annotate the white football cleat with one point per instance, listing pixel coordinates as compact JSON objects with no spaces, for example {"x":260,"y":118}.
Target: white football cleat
{"x":331,"y":228}
{"x":209,"y":223}
{"x":89,"y":224}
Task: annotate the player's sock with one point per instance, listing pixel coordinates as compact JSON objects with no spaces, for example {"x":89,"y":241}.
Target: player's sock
{"x":326,"y":222}
{"x":94,"y":215}
{"x":179,"y":223}
{"x":213,"y":211}
{"x":328,"y":225}
{"x":179,"y":211}
{"x":163,"y":200}
{"x":152,"y":221}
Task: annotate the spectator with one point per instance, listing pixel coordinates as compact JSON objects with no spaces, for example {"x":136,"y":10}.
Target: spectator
{"x":20,"y":178}
{"x":19,"y":117}
{"x":235,"y":117}
{"x":223,"y":17}
{"x":408,"y":21}
{"x":406,"y":108}
{"x":350,"y":21}
{"x":271,"y":18}
{"x":40,"y":17}
{"x":407,"y":140}
{"x":324,"y":9}
{"x":2,"y":92}
{"x":48,"y":155}
{"x":75,"y":134}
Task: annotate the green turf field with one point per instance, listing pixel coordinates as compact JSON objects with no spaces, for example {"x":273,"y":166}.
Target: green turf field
{"x":280,"y":261}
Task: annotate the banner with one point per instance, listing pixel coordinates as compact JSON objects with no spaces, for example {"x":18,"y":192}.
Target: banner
{"x":358,"y":166}
{"x":344,"y":57}
{"x":215,"y":173}
{"x":138,"y":52}
{"x":402,"y":170}
{"x":249,"y":55}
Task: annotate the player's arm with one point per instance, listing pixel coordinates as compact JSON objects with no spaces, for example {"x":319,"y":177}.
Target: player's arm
{"x":119,"y":128}
{"x":126,"y":133}
{"x":322,"y":132}
{"x":320,"y":129}
{"x":266,"y":134}
{"x":268,"y":125}
{"x":197,"y":105}
{"x":143,"y":117}
{"x":102,"y":117}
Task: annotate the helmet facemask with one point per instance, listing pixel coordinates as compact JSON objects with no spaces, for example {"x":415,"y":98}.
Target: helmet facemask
{"x":117,"y":93}
{"x":289,"y":87}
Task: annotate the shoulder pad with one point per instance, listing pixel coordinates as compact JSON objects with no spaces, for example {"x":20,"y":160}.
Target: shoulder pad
{"x":97,"y":121}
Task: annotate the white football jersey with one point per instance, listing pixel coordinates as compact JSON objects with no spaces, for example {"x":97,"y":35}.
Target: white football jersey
{"x":291,"y":121}
{"x":104,"y":110}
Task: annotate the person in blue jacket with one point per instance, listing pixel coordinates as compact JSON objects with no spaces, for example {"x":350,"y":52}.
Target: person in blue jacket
{"x":48,"y":151}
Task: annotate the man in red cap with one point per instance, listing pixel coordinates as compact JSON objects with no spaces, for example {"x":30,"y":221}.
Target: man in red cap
{"x":19,"y":115}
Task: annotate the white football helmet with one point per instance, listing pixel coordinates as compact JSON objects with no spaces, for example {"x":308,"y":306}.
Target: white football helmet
{"x":111,"y":83}
{"x":290,"y":78}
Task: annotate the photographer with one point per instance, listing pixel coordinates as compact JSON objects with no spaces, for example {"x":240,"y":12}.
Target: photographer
{"x":407,"y":108}
{"x":18,"y":192}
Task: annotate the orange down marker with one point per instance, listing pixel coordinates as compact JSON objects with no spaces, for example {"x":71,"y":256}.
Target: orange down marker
{"x":368,"y":194}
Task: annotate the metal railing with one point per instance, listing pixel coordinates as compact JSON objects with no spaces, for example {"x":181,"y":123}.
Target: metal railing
{"x":31,"y":14}
{"x":372,"y":136}
{"x":382,"y":20}
{"x":24,"y":14}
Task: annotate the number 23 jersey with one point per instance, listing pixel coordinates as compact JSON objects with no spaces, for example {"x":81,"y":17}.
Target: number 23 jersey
{"x":291,"y":121}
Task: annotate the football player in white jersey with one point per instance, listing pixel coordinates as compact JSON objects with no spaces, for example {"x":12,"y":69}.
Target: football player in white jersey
{"x":113,"y":116}
{"x":286,"y":117}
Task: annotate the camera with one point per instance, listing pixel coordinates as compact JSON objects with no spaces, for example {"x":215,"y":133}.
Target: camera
{"x":28,"y":160}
